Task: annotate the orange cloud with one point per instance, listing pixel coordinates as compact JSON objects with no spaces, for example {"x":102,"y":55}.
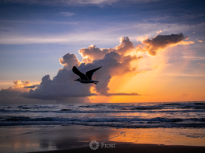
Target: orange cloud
{"x":119,"y":65}
{"x":21,"y":84}
{"x":158,"y":32}
{"x":160,"y":42}
{"x":114,"y":61}
{"x":202,"y":65}
{"x":92,"y":53}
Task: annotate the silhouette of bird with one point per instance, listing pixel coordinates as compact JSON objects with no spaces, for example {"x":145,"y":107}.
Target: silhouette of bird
{"x":87,"y":77}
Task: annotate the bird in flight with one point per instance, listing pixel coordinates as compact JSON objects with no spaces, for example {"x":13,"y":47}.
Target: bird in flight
{"x":87,"y":77}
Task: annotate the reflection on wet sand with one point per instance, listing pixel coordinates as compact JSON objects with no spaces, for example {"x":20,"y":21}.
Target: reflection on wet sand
{"x":42,"y":138}
{"x":166,"y":136}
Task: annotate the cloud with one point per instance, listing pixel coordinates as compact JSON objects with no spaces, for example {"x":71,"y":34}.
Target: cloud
{"x":125,"y":46}
{"x":202,"y":65}
{"x":14,"y":93}
{"x":160,"y":42}
{"x":71,"y":38}
{"x":194,"y":58}
{"x":21,"y":84}
{"x":63,"y":2}
{"x":38,"y":22}
{"x":115,"y":62}
{"x":121,"y":94}
{"x":172,"y":18}
{"x":200,"y":41}
{"x":7,"y":95}
{"x":69,"y":60}
{"x":61,"y":87}
{"x":92,"y":53}
{"x":66,"y":13}
{"x":107,"y":34}
{"x":31,"y":86}
{"x":76,"y":2}
{"x":158,"y":32}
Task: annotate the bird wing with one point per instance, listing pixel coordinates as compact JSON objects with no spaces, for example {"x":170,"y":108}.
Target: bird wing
{"x":80,"y":74}
{"x":90,"y":73}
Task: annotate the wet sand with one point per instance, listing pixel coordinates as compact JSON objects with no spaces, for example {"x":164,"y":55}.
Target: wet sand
{"x":138,"y":148}
{"x":50,"y":139}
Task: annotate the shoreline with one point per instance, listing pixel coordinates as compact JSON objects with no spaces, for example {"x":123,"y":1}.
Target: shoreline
{"x":52,"y":139}
{"x":121,"y":147}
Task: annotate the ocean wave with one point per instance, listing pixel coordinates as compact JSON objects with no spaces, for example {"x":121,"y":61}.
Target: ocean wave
{"x":113,"y":122}
{"x":103,"y":111}
{"x":132,"y":115}
{"x":95,"y":108}
{"x":119,"y":119}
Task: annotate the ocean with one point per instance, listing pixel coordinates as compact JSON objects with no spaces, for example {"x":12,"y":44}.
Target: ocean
{"x":44,"y":127}
{"x":124,"y":115}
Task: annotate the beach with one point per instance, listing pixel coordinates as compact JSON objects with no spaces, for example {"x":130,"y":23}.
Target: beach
{"x":102,"y":76}
{"x":155,"y":127}
{"x":138,"y":148}
{"x":78,"y":137}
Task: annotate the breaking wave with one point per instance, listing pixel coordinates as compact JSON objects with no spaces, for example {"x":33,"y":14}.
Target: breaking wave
{"x":131,"y":115}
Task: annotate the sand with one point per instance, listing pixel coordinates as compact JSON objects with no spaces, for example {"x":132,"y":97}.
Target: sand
{"x":50,"y":139}
{"x":138,"y":148}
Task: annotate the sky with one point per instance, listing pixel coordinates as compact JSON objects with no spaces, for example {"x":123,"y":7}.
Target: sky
{"x":149,"y":50}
